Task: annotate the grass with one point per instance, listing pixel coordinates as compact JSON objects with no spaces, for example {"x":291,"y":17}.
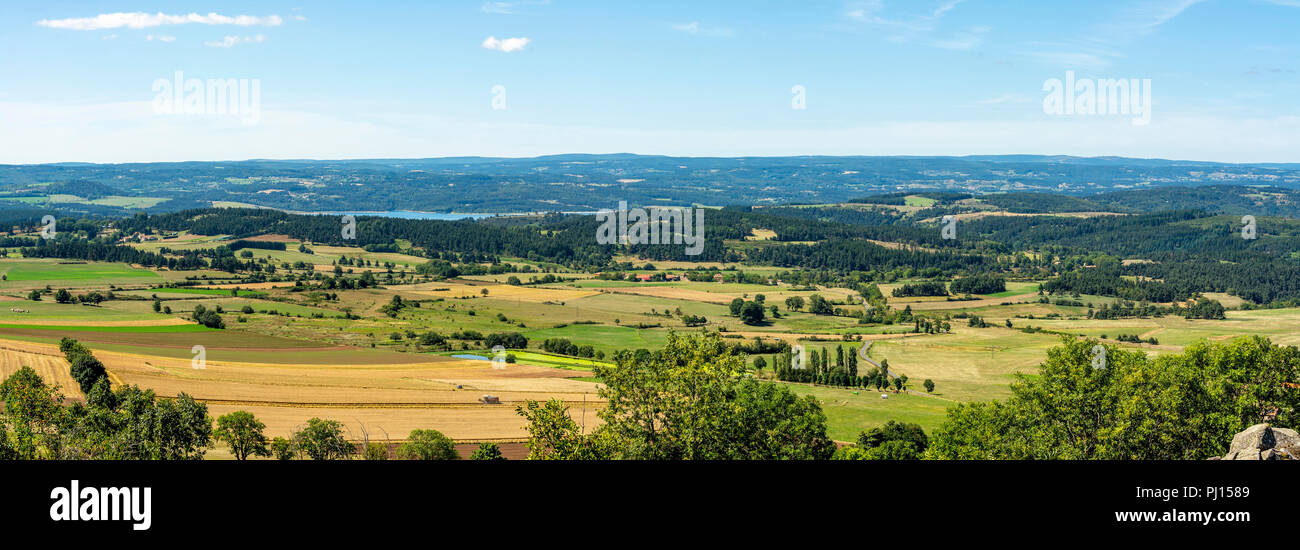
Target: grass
{"x":208,"y":292}
{"x":22,"y":273}
{"x":848,"y":414}
{"x":141,"y":329}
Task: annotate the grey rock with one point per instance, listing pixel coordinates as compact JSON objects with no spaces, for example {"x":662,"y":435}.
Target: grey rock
{"x":1264,"y":442}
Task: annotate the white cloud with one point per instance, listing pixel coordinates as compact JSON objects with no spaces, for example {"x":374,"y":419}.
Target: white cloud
{"x":108,"y":37}
{"x":232,"y":41}
{"x":695,"y":28}
{"x":141,"y":20}
{"x":506,"y":44}
{"x":160,"y":38}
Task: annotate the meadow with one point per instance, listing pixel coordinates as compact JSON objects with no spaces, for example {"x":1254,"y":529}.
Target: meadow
{"x":299,"y":355}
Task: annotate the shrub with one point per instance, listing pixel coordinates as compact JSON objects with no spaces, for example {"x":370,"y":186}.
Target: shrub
{"x":427,"y":445}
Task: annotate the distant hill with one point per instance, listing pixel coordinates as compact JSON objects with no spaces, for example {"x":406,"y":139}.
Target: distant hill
{"x":582,"y":182}
{"x":85,"y":189}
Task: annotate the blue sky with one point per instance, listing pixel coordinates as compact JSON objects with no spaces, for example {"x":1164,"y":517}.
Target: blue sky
{"x":880,"y":77}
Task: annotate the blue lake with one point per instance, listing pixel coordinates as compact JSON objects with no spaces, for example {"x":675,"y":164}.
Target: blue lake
{"x":410,"y":215}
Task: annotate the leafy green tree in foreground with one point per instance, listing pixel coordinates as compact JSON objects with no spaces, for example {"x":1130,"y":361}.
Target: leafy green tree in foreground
{"x":322,"y":440}
{"x":689,"y":401}
{"x":376,"y":451}
{"x":487,"y":451}
{"x":427,"y":445}
{"x":282,"y":449}
{"x":243,"y":433}
{"x":1184,"y":407}
{"x":33,"y":413}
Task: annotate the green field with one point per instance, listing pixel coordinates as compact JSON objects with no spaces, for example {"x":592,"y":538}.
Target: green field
{"x":23,"y":273}
{"x":967,"y":364}
{"x":850,"y":411}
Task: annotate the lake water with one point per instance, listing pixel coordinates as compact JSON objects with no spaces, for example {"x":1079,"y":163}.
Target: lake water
{"x":410,"y":215}
{"x":467,"y":356}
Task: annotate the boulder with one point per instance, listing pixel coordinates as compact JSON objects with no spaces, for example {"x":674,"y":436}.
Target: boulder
{"x":1264,"y":442}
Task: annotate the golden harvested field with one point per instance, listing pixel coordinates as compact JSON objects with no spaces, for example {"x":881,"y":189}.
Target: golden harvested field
{"x":471,"y":422}
{"x":45,"y":360}
{"x":398,"y":398}
{"x":447,"y":289}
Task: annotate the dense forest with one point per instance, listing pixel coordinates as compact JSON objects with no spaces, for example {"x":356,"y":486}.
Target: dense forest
{"x":565,"y":183}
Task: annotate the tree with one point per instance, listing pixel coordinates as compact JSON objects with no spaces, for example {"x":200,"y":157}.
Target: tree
{"x":32,"y":411}
{"x":760,"y":364}
{"x":322,"y":440}
{"x":282,"y":449}
{"x":34,"y":295}
{"x":376,"y":451}
{"x":929,"y":385}
{"x":243,"y":433}
{"x":508,"y":340}
{"x":85,"y":368}
{"x":487,"y":451}
{"x":554,"y":435}
{"x":157,"y":305}
{"x":63,"y":296}
{"x":427,"y":445}
{"x":687,"y":401}
{"x":737,"y":305}
{"x":819,"y":305}
{"x":752,"y":313}
{"x":794,"y":303}
{"x":1191,"y":403}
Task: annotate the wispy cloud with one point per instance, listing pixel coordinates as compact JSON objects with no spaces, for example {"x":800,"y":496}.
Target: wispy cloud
{"x":160,"y":37}
{"x":871,"y":11}
{"x":231,"y":41}
{"x":1074,"y":59}
{"x":964,"y":40}
{"x":141,"y":20}
{"x":511,"y":7}
{"x":695,"y":28}
{"x":1103,"y":43}
{"x":917,"y":27}
{"x":1141,"y":19}
{"x":506,"y":45}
